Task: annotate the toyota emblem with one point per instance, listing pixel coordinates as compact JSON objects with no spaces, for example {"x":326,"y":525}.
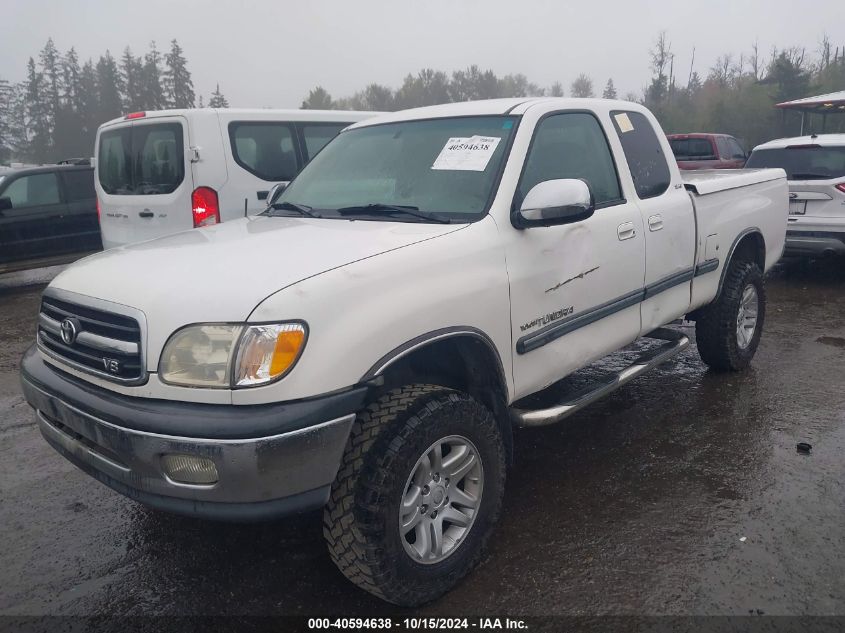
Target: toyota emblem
{"x":70,"y":330}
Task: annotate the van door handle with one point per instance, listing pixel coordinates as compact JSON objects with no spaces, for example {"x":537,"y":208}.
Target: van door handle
{"x":626,"y":231}
{"x":146,"y":213}
{"x":655,"y":222}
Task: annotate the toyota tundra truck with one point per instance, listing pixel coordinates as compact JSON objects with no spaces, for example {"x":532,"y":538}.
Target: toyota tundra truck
{"x":368,"y":343}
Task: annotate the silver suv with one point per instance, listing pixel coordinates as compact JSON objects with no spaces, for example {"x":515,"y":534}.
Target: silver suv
{"x":815,"y":169}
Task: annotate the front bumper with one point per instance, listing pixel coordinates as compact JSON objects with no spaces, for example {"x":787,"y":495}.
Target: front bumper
{"x":815,"y":243}
{"x":271,"y":460}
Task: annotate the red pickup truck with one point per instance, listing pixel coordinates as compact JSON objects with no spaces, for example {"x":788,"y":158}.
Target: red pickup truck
{"x":707,"y":151}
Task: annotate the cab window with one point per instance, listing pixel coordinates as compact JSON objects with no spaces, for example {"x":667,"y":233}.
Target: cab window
{"x":644,"y":154}
{"x":571,"y":145}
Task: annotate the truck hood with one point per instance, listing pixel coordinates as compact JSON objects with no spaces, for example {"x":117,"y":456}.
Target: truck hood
{"x":221,"y":273}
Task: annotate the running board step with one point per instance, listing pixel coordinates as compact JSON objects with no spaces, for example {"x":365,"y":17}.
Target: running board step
{"x":676,"y":342}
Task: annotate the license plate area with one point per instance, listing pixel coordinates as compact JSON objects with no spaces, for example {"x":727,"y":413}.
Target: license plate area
{"x":797,"y":207}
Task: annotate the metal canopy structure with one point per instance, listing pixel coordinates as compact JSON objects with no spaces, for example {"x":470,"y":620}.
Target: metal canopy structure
{"x":832,"y":103}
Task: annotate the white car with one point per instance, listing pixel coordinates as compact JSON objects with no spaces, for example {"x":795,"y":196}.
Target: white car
{"x":161,"y":172}
{"x":368,"y":344}
{"x":815,"y":168}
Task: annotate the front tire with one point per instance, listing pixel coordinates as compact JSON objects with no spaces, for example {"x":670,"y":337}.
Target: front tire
{"x":419,"y":489}
{"x":728,"y":331}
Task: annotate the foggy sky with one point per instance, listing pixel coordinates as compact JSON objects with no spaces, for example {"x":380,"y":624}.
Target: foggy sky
{"x":269,"y":53}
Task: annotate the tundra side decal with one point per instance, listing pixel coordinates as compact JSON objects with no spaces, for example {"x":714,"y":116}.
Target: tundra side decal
{"x":548,"y":318}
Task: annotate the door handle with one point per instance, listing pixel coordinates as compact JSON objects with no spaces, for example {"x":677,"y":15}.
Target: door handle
{"x":626,"y":231}
{"x":655,"y":222}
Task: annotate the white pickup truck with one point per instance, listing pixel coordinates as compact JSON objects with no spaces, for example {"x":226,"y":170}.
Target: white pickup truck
{"x":368,"y":343}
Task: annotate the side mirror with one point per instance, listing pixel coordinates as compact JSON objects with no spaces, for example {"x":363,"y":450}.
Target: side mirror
{"x":5,"y":204}
{"x":275,"y":191}
{"x":555,"y":202}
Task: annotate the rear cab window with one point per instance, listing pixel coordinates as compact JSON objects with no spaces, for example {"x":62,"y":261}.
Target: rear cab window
{"x":802,"y":162}
{"x":644,"y":154}
{"x":141,"y":159}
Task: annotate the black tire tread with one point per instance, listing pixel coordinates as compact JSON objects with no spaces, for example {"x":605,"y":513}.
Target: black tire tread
{"x":715,"y":327}
{"x":350,"y":526}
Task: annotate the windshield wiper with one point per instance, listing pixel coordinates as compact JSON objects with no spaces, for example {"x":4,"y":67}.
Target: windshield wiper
{"x":377,"y":208}
{"x":302,"y":209}
{"x":809,"y":176}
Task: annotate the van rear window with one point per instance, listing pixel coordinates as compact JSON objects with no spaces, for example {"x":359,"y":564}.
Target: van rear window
{"x":141,"y":159}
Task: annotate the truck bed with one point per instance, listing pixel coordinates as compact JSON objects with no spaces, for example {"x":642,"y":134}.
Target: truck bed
{"x":728,"y":204}
{"x":707,"y":181}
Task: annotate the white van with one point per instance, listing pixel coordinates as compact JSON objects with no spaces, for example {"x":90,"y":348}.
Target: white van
{"x":171,"y":170}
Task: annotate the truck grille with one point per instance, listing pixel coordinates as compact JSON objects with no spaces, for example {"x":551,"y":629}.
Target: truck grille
{"x":96,"y":341}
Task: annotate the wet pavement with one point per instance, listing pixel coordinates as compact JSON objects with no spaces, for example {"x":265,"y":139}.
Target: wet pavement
{"x":681,"y":493}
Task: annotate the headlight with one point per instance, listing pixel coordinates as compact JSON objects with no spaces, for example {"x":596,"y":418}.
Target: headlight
{"x":225,"y":356}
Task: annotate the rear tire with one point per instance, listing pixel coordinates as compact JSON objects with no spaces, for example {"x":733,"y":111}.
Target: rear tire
{"x":728,"y":330}
{"x":381,"y":477}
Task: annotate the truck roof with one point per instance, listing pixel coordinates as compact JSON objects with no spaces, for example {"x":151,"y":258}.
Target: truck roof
{"x":826,"y":140}
{"x":290,"y":114}
{"x":493,"y":107}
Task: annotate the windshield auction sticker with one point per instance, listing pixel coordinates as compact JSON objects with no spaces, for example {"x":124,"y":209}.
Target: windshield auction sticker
{"x":471,"y":153}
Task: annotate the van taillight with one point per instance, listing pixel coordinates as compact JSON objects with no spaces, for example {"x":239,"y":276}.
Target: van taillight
{"x":205,"y":206}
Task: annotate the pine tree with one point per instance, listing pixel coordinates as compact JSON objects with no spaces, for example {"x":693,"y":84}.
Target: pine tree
{"x":152,"y":93}
{"x":17,"y":122}
{"x":51,"y":70}
{"x":89,"y":100}
{"x":131,"y":70}
{"x":37,"y":114}
{"x":217,"y":99}
{"x":5,"y":120}
{"x":178,"y":87}
{"x":609,"y":90}
{"x":70,"y":80}
{"x":109,"y":89}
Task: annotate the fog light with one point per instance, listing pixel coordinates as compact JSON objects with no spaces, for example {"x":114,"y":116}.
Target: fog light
{"x":189,"y":469}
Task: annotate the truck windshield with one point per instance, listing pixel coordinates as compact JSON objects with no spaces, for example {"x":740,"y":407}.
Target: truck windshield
{"x":805,"y":162}
{"x":445,"y":168}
